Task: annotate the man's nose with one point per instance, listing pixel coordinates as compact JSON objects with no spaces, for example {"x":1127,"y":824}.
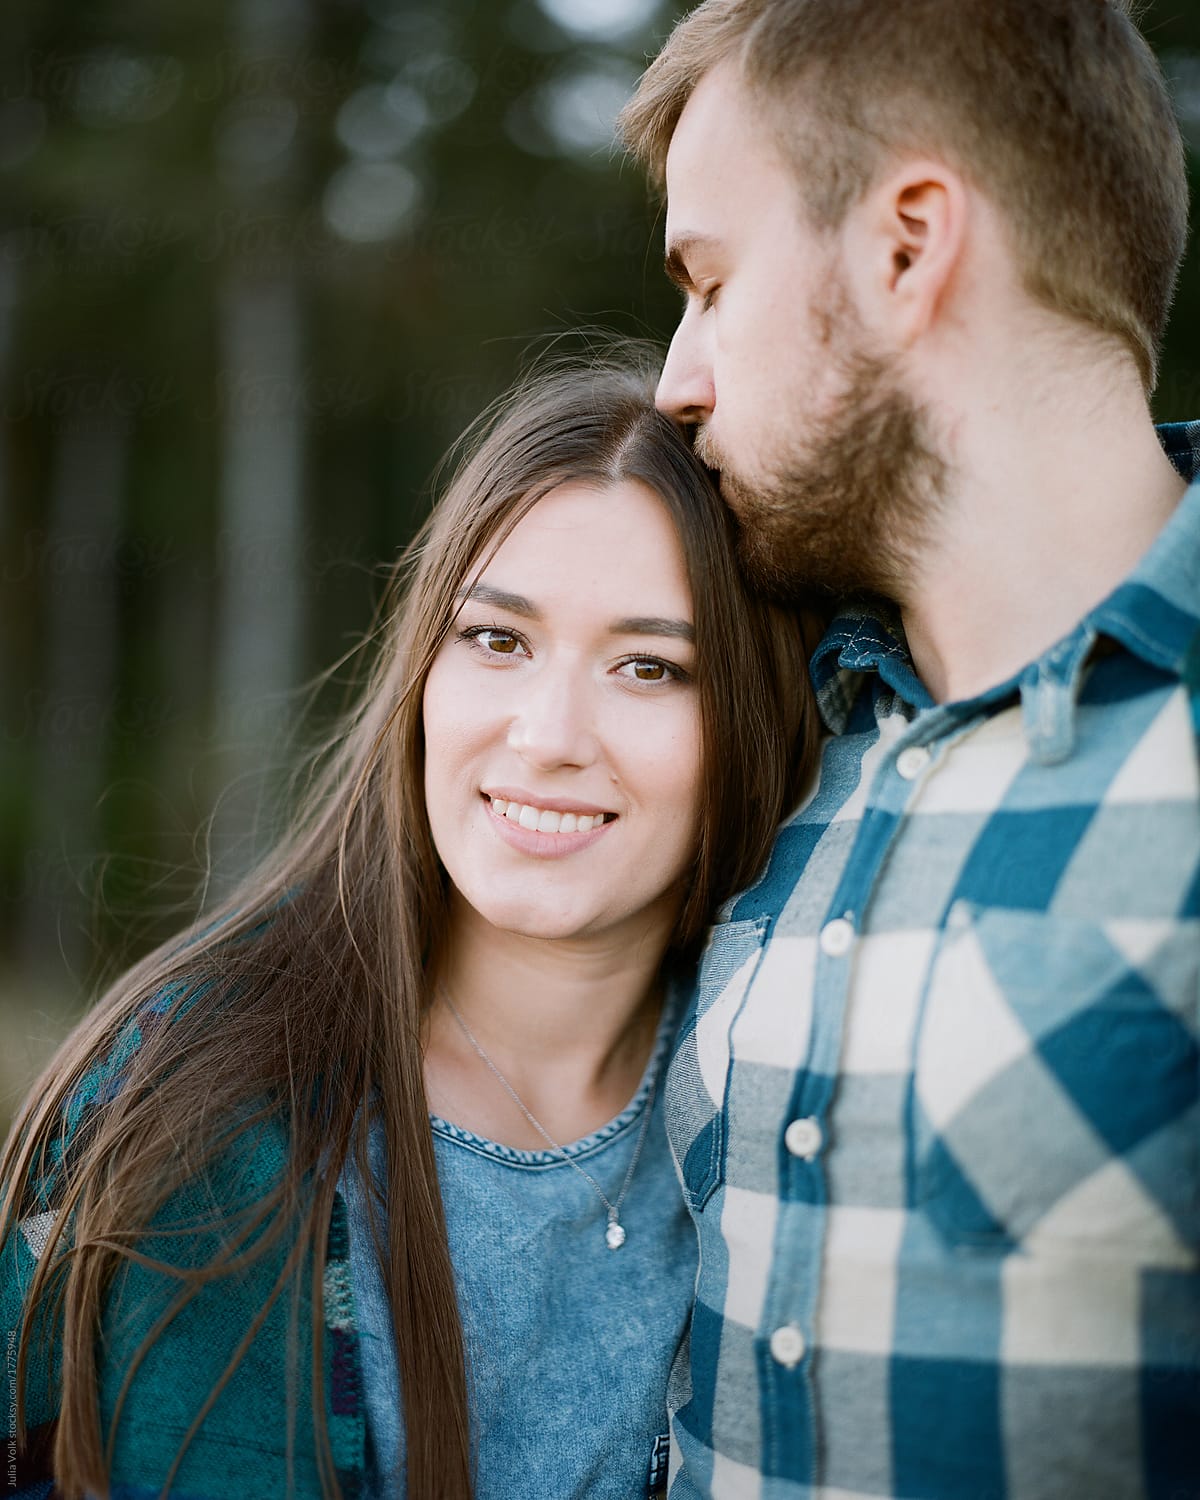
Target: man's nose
{"x":685,"y":387}
{"x":554,"y":723}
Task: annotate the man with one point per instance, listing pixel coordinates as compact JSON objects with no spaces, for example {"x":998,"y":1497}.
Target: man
{"x":936,"y":1109}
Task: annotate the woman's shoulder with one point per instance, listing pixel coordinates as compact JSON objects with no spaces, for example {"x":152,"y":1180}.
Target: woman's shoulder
{"x":102,"y":1083}
{"x":194,"y":1226}
{"x":243,"y":1154}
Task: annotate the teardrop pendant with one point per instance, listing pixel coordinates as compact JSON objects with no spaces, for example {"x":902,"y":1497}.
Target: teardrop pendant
{"x":614,"y":1235}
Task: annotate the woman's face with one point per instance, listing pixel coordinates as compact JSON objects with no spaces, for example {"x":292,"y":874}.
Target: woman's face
{"x":562,"y":723}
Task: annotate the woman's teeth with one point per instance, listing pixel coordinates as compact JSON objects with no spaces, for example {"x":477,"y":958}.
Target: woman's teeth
{"x":542,"y":820}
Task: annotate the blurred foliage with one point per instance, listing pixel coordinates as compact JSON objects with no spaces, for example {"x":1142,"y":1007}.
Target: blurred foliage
{"x":416,"y":189}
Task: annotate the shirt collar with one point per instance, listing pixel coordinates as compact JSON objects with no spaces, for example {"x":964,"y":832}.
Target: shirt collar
{"x":1154,"y":612}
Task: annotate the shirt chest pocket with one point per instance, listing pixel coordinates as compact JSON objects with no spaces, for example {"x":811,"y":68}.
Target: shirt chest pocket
{"x":698,"y":1076}
{"x":1054,"y":1097}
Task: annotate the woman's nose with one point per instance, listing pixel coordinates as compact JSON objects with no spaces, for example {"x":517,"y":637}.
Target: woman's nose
{"x":554,"y":723}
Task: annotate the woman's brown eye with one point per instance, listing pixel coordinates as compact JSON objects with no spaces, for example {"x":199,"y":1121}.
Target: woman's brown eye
{"x":649,"y":671}
{"x":494,"y":641}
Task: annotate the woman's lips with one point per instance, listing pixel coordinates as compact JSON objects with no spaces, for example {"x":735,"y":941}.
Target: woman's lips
{"x":540,"y":817}
{"x":545,"y":842}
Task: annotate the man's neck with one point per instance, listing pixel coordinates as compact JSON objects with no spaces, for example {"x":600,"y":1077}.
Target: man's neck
{"x":1053,"y":501}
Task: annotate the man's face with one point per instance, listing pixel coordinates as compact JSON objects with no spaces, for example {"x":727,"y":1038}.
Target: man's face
{"x":822,"y":455}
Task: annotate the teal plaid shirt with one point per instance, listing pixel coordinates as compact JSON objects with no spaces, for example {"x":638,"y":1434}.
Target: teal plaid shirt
{"x":935,"y":1106}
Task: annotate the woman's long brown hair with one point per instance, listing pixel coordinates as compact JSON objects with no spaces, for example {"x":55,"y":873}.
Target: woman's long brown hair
{"x":302,"y":994}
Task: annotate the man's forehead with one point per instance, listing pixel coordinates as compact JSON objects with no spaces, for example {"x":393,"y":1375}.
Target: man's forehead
{"x":716,"y":115}
{"x":722,"y":158}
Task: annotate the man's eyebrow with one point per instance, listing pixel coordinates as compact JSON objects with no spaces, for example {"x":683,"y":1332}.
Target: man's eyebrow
{"x":652,"y":625}
{"x":517,"y":604}
{"x":675,"y":264}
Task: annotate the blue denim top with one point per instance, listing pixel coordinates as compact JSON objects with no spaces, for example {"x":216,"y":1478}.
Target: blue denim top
{"x":569,"y":1343}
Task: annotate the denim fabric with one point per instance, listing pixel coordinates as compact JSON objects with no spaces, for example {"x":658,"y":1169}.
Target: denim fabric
{"x":569,"y":1344}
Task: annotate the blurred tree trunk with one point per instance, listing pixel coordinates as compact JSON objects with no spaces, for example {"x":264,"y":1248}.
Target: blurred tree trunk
{"x":262,"y":589}
{"x":74,"y":716}
{"x":10,"y":289}
{"x":260,"y":578}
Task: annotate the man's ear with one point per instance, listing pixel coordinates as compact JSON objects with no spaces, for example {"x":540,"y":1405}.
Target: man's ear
{"x":908,"y":237}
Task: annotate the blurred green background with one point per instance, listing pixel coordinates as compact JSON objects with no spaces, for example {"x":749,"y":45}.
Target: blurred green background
{"x":260,"y":262}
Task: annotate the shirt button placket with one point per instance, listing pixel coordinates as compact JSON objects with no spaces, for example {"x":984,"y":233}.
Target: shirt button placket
{"x":804,"y":1138}
{"x":837,"y":937}
{"x":912,"y":761}
{"x":787,"y":1346}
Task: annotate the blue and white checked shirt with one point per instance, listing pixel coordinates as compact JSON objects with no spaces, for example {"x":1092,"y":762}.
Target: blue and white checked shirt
{"x":936,"y":1104}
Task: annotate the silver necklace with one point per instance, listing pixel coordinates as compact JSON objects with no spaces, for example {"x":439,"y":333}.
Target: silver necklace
{"x":614,"y":1233}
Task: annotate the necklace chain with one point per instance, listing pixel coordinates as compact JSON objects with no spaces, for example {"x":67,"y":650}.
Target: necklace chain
{"x":614,"y":1234}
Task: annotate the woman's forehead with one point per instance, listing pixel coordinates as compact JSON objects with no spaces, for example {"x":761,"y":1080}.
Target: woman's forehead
{"x":616,"y":541}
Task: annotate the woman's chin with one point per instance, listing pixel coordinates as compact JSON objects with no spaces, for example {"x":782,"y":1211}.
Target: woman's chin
{"x":554,"y":921}
{"x":545,"y":926}
{"x":551,"y":911}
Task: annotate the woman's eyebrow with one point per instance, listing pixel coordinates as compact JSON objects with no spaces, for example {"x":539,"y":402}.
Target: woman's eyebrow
{"x":517,"y":604}
{"x":652,"y":625}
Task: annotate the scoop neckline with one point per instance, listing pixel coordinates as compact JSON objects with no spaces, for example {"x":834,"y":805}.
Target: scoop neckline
{"x":589,"y":1144}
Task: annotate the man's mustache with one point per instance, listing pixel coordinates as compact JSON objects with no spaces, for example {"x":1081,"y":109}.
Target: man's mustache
{"x":705,"y":448}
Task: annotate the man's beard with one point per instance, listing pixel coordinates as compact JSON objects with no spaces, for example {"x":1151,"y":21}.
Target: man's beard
{"x":848,"y":511}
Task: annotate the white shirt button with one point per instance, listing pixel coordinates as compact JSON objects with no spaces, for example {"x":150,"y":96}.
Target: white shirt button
{"x":837,"y":937}
{"x":911,"y":762}
{"x":787,"y":1346}
{"x":804,"y":1138}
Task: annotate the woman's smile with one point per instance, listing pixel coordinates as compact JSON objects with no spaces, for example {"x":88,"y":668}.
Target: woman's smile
{"x":544,"y":832}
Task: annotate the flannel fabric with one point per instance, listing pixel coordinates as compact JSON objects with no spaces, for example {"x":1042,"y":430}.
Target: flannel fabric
{"x":935,"y":1104}
{"x":241,"y":1446}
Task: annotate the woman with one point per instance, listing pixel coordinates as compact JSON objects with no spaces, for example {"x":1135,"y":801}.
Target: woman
{"x":451,"y":979}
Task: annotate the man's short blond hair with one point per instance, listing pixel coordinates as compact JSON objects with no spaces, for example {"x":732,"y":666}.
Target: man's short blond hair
{"x":1056,"y":109}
